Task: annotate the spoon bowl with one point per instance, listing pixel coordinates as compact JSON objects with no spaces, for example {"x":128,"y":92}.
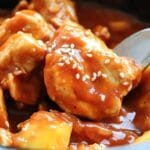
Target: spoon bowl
{"x":136,"y":46}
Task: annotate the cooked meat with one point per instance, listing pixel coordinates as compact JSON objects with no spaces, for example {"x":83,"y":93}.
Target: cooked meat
{"x":139,"y":101}
{"x":55,"y":11}
{"x":21,"y":54}
{"x":84,"y":77}
{"x":24,"y":88}
{"x":3,"y":112}
{"x":27,"y":21}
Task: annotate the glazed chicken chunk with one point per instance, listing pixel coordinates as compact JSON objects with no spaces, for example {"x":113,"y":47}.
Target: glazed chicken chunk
{"x":55,"y":11}
{"x":139,"y":101}
{"x":27,"y":21}
{"x":20,"y":55}
{"x":84,"y":77}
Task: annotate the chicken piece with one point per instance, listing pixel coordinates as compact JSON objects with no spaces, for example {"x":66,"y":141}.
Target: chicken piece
{"x":22,"y":5}
{"x":44,"y":130}
{"x":27,"y":21}
{"x":55,"y":12}
{"x":84,"y":77}
{"x":3,"y":112}
{"x":21,"y":54}
{"x":139,"y":101}
{"x":24,"y":88}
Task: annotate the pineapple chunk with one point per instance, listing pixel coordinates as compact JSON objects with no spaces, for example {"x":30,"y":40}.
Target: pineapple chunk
{"x":5,"y":137}
{"x":144,"y":138}
{"x":44,"y":130}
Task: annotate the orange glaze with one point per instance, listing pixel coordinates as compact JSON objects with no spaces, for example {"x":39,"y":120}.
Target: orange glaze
{"x":90,"y":16}
{"x":91,"y":74}
{"x":139,"y":101}
{"x":110,"y":134}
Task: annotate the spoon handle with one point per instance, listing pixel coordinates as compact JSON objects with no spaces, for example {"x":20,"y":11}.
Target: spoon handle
{"x":140,"y":146}
{"x":146,"y":61}
{"x":136,"y":46}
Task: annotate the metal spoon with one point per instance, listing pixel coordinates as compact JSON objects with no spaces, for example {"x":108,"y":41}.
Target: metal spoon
{"x":136,"y":46}
{"x":139,"y":146}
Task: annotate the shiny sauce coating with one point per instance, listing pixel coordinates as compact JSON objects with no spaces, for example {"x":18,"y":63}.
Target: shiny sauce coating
{"x":120,"y":129}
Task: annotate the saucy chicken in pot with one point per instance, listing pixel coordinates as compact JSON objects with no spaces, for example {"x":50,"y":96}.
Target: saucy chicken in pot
{"x":61,"y":85}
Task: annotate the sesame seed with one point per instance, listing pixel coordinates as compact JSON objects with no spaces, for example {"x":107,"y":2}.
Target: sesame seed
{"x":60,"y":64}
{"x":65,"y":50}
{"x":65,"y":46}
{"x":27,"y":27}
{"x":58,"y":52}
{"x":74,"y":66}
{"x":87,"y":32}
{"x":125,"y":83}
{"x":117,"y":61}
{"x":64,"y":58}
{"x":89,"y":55}
{"x":87,"y":76}
{"x":130,"y":87}
{"x":53,"y":45}
{"x":94,"y":76}
{"x":77,"y":76}
{"x":79,"y":68}
{"x":103,"y":97}
{"x":104,"y":75}
{"x":72,"y":45}
{"x":71,"y":53}
{"x":107,"y":61}
{"x":49,"y":49}
{"x":71,"y":58}
{"x":84,"y":78}
{"x":40,"y":42}
{"x":67,"y":61}
{"x":99,"y":73}
{"x":121,"y":75}
{"x":63,"y":37}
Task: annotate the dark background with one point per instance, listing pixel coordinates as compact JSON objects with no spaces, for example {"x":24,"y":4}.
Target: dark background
{"x":140,"y":8}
